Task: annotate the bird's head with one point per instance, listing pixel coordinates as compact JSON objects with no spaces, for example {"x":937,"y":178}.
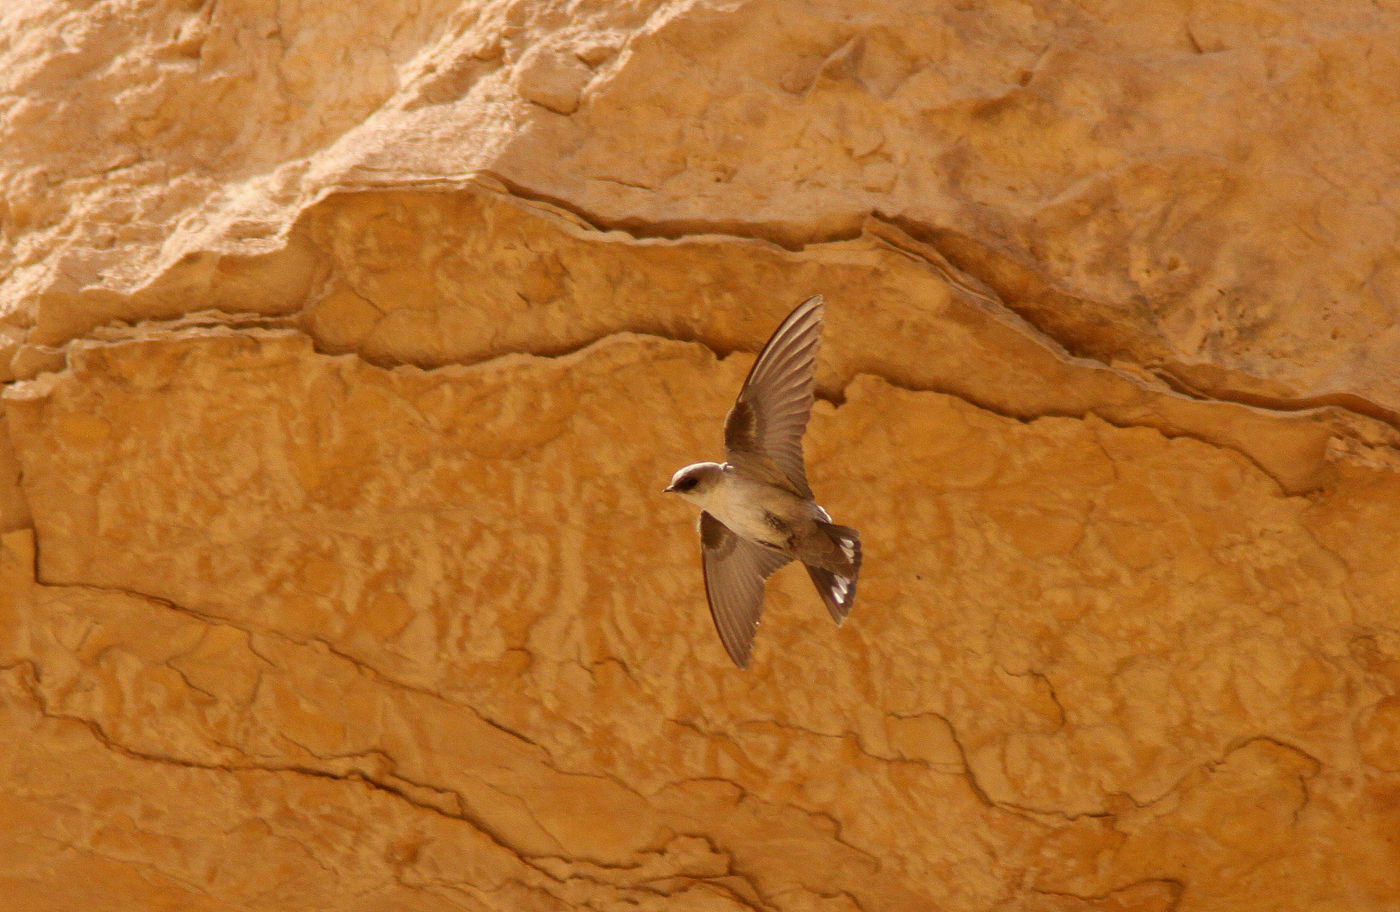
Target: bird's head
{"x":696,"y":482}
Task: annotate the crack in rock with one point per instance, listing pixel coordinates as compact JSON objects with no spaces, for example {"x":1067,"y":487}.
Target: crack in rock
{"x":199,"y":325}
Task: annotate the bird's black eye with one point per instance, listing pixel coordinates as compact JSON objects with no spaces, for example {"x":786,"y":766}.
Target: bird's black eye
{"x":687,"y":484}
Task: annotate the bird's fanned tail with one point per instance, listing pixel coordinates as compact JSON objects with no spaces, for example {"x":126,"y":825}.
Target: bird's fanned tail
{"x":837,"y":587}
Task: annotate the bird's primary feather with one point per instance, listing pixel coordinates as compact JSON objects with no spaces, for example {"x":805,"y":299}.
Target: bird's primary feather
{"x":763,"y":433}
{"x":735,"y":571}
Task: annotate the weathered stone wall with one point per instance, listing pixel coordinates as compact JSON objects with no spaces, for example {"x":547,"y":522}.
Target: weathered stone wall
{"x":349,"y":346}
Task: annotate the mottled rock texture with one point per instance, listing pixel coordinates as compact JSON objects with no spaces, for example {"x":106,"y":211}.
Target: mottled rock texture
{"x":347,"y":348}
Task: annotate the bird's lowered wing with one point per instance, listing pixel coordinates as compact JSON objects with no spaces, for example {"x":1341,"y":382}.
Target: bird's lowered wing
{"x":735,"y":571}
{"x":763,"y":433}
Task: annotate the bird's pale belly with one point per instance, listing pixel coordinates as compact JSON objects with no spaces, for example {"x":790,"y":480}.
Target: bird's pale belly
{"x":759,"y":512}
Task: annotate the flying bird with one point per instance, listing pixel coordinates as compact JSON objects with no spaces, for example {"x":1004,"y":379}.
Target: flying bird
{"x":757,"y":511}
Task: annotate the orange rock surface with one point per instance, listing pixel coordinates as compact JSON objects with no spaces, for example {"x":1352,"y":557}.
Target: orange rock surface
{"x":347,"y":349}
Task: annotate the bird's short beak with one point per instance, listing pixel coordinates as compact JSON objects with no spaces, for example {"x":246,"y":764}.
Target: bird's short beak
{"x":669,"y":489}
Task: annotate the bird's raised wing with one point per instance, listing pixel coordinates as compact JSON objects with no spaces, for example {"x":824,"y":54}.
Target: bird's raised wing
{"x":763,"y":433}
{"x":735,"y":571}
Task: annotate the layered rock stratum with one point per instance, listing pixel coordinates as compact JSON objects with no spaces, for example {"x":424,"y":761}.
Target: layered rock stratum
{"x":347,"y":349}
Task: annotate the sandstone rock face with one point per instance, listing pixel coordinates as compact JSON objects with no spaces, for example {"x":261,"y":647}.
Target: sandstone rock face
{"x":347,"y":349}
